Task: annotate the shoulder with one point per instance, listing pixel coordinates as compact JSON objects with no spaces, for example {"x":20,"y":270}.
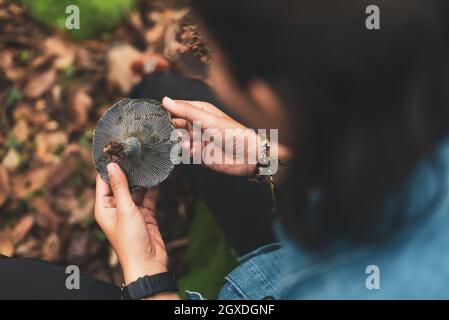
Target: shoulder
{"x":414,"y":265}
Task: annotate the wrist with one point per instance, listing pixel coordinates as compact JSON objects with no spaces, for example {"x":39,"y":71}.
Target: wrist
{"x":131,"y":272}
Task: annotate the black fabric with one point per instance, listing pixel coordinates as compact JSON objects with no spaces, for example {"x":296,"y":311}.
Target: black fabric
{"x":32,"y":279}
{"x":242,"y":208}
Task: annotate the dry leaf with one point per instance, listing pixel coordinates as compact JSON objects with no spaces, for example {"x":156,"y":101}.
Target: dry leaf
{"x":6,"y":60}
{"x":166,"y":21}
{"x":65,"y":200}
{"x":39,"y":83}
{"x":78,"y":245}
{"x":22,"y":228}
{"x":49,"y":143}
{"x":5,"y":187}
{"x":85,"y":207}
{"x":81,"y":104}
{"x":30,"y":248}
{"x":67,"y":164}
{"x":45,"y":217}
{"x":28,"y":182}
{"x":155,"y":34}
{"x":56,"y":92}
{"x":51,"y":247}
{"x":84,"y":59}
{"x":6,"y":243}
{"x":11,"y":160}
{"x":120,"y":59}
{"x":31,"y":115}
{"x":63,"y":50}
{"x":21,"y":131}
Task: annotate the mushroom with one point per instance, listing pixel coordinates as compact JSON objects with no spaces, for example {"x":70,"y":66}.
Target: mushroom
{"x":136,"y":134}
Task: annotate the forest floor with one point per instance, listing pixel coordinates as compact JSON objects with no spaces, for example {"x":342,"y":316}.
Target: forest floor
{"x":54,"y":86}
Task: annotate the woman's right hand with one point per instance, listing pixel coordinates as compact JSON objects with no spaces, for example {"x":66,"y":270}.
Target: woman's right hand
{"x":184,"y":113}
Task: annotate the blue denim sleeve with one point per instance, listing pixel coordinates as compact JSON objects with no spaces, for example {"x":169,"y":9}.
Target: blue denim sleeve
{"x":192,"y":295}
{"x":256,"y":278}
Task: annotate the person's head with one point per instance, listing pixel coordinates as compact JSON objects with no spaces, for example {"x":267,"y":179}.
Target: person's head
{"x":361,"y":106}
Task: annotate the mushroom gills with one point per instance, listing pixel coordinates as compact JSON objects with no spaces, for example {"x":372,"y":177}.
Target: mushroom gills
{"x":136,"y":134}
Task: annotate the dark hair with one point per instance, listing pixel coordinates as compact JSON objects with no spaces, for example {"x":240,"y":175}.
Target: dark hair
{"x":368,"y":103}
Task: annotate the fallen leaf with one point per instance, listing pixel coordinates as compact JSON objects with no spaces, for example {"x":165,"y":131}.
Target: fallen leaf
{"x":45,"y":217}
{"x":31,"y":114}
{"x":20,"y":231}
{"x":21,"y":131}
{"x":64,"y":199}
{"x":120,"y":75}
{"x":40,"y":83}
{"x":81,"y":104}
{"x":11,"y":72}
{"x":6,"y":60}
{"x":84,"y":59}
{"x":29,"y":248}
{"x":51,"y":248}
{"x":156,"y":33}
{"x":56,"y":94}
{"x":12,"y":160}
{"x":5,"y":187}
{"x":67,"y":164}
{"x":63,"y":50}
{"x":26,"y":183}
{"x":6,"y":243}
{"x":47,"y":144}
{"x":84,"y":208}
{"x":78,"y":245}
{"x":52,"y":125}
{"x":164,"y":22}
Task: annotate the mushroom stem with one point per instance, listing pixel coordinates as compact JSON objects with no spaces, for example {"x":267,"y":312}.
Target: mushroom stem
{"x":131,"y":146}
{"x":126,"y":148}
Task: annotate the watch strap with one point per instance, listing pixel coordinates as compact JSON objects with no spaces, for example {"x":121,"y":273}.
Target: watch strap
{"x":148,"y":286}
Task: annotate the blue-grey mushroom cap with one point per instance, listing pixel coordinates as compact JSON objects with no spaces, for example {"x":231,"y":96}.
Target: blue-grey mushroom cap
{"x":143,"y":130}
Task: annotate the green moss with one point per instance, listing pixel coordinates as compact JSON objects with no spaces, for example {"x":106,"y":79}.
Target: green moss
{"x":96,"y":16}
{"x":14,"y":95}
{"x":209,"y":256}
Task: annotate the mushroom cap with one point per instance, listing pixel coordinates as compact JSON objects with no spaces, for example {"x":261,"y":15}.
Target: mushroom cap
{"x":139,"y":121}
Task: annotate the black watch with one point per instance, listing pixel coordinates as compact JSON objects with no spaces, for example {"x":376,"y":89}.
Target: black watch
{"x":149,"y":286}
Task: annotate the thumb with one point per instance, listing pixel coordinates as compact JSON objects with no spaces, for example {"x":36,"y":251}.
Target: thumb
{"x":119,"y":186}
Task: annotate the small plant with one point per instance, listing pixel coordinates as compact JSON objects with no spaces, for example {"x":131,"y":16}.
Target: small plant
{"x":96,"y":16}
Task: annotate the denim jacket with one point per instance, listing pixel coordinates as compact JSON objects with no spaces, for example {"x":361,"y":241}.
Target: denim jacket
{"x":414,"y":264}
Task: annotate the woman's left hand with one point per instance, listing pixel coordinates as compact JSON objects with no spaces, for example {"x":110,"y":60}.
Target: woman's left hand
{"x":129,"y":222}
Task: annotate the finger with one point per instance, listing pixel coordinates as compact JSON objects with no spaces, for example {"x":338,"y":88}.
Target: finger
{"x":179,"y":123}
{"x":205,"y":106}
{"x":102,"y":194}
{"x":109,"y":202}
{"x":188,"y":112}
{"x":137,"y":196}
{"x":150,"y":198}
{"x":102,"y":190}
{"x":119,"y":186}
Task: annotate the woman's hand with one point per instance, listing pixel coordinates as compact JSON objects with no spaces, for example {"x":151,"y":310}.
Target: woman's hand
{"x":129,"y":222}
{"x":184,"y":113}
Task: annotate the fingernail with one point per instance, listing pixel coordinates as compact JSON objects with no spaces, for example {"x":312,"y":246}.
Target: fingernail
{"x":168,"y":102}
